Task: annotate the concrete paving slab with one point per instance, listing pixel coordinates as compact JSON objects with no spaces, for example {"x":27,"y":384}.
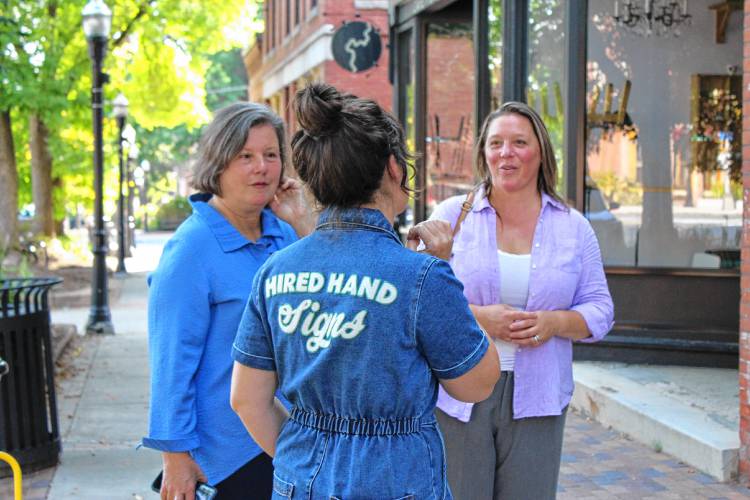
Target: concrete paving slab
{"x":116,"y":390}
{"x":114,"y":474}
{"x":108,"y":424}
{"x":655,"y":407}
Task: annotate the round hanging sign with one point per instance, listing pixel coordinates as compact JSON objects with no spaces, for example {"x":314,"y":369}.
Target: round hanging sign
{"x":356,"y":46}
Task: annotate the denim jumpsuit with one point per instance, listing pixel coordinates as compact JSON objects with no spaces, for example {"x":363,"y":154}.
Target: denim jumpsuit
{"x":359,"y":330}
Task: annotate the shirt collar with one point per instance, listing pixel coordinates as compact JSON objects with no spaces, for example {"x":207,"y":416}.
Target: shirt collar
{"x":481,"y":201}
{"x":366,"y":218}
{"x":229,"y":238}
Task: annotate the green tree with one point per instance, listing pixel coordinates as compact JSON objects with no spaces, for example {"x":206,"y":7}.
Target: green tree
{"x":159,"y":55}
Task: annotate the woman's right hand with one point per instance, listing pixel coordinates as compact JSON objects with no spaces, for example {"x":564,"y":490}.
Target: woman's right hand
{"x":181,"y":473}
{"x":497,"y":318}
{"x":435,"y":235}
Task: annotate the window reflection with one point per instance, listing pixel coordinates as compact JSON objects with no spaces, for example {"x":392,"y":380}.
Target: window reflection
{"x":449,"y":126}
{"x":546,"y":55}
{"x":406,"y":116}
{"x":495,"y":52}
{"x":661,"y":183}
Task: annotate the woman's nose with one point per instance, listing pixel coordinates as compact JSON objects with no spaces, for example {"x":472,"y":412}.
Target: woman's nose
{"x":260,"y":165}
{"x":505,"y":149}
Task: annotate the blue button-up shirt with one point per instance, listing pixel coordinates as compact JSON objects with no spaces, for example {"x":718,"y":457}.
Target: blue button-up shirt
{"x":359,"y":330}
{"x":566,"y":274}
{"x":196,"y":298}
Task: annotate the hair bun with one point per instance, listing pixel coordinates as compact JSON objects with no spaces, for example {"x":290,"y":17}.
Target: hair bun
{"x":318,"y":109}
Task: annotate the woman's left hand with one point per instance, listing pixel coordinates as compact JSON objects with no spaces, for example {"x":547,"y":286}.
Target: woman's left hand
{"x":289,"y":204}
{"x":535,"y":331}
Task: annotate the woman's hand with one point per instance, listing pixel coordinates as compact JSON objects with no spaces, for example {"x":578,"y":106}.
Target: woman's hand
{"x":435,"y":235}
{"x":181,"y":474}
{"x":496,"y":319}
{"x":289,"y":204}
{"x":534,"y":331}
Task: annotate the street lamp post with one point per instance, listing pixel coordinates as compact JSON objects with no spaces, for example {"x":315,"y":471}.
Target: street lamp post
{"x":133,"y":154}
{"x":146,"y":166}
{"x":97,"y":20}
{"x":121,"y":113}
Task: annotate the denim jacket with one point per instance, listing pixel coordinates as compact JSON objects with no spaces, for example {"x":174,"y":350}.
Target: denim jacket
{"x":359,"y":330}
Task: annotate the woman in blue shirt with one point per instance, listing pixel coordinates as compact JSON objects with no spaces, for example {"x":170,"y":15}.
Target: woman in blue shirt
{"x":355,"y":329}
{"x":196,"y":299}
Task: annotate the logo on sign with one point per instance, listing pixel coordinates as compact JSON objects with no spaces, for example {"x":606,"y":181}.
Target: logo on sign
{"x":356,"y":46}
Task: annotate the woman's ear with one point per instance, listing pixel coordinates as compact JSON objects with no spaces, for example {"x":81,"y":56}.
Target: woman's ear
{"x":394,"y":170}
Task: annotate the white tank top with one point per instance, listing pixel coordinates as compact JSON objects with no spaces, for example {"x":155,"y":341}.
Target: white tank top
{"x":514,"y":291}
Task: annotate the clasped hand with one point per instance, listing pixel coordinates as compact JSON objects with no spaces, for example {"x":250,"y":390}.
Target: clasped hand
{"x":525,"y":328}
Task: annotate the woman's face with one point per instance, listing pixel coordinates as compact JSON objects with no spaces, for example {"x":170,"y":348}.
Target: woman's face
{"x":250,"y":180}
{"x":512,"y":153}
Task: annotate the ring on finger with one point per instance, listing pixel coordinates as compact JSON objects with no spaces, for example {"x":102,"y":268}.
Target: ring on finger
{"x":536,"y":338}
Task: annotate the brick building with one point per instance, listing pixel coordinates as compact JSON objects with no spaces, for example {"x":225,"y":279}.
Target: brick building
{"x":295,"y":48}
{"x":744,"y":465}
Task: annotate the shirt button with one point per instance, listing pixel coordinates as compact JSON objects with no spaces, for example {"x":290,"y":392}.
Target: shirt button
{"x":533,"y":266}
{"x":537,"y":245}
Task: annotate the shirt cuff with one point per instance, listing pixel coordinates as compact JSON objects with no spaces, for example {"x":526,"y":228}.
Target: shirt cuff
{"x":467,"y":364}
{"x":173,"y":445}
{"x":252,"y":360}
{"x":597,"y":323}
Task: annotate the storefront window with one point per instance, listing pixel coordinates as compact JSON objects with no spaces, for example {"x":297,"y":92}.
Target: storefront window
{"x":545,"y":83}
{"x":664,"y":140}
{"x":449,"y":127}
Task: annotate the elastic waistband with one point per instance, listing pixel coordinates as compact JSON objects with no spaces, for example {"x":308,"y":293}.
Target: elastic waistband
{"x":359,"y":426}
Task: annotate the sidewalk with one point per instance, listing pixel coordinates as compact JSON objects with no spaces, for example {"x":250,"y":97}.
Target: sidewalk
{"x":103,"y":408}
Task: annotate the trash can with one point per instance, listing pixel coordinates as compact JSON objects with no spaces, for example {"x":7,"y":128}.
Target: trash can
{"x":28,"y":408}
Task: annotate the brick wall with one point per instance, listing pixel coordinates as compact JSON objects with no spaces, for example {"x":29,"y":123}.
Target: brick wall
{"x":744,"y":466}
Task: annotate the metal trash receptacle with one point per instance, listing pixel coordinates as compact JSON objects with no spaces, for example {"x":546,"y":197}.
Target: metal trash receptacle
{"x":29,"y":427}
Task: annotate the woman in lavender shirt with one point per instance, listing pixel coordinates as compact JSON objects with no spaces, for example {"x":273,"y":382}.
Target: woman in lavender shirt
{"x":532,"y":272}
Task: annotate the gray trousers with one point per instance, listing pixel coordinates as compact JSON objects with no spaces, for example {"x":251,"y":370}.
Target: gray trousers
{"x":495,"y":457}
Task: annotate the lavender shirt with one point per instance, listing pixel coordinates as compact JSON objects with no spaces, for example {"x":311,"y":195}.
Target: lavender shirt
{"x":566,"y":274}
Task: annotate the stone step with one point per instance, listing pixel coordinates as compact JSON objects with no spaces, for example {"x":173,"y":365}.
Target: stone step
{"x":661,"y":408}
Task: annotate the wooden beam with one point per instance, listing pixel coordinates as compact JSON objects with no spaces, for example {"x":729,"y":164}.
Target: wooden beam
{"x":723,"y":10}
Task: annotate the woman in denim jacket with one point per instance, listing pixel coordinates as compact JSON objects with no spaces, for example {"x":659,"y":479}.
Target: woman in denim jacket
{"x":356,"y":329}
{"x":532,"y":272}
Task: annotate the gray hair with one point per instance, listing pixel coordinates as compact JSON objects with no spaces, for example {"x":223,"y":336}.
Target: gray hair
{"x":224,"y":138}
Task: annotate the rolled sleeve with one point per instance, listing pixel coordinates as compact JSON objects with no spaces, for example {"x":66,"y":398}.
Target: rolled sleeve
{"x":253,"y":345}
{"x":592,"y":298}
{"x":178,"y":324}
{"x":446,"y":331}
{"x":172,"y":445}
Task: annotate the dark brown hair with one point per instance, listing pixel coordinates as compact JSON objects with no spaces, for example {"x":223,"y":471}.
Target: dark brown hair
{"x":547,"y":180}
{"x":224,"y":138}
{"x":343,"y":146}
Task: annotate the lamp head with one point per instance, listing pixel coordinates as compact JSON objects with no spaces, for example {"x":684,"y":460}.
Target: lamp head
{"x":120,"y":106}
{"x":97,"y":19}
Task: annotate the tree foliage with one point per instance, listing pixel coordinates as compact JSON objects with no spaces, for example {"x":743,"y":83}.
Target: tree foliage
{"x":160,"y":52}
